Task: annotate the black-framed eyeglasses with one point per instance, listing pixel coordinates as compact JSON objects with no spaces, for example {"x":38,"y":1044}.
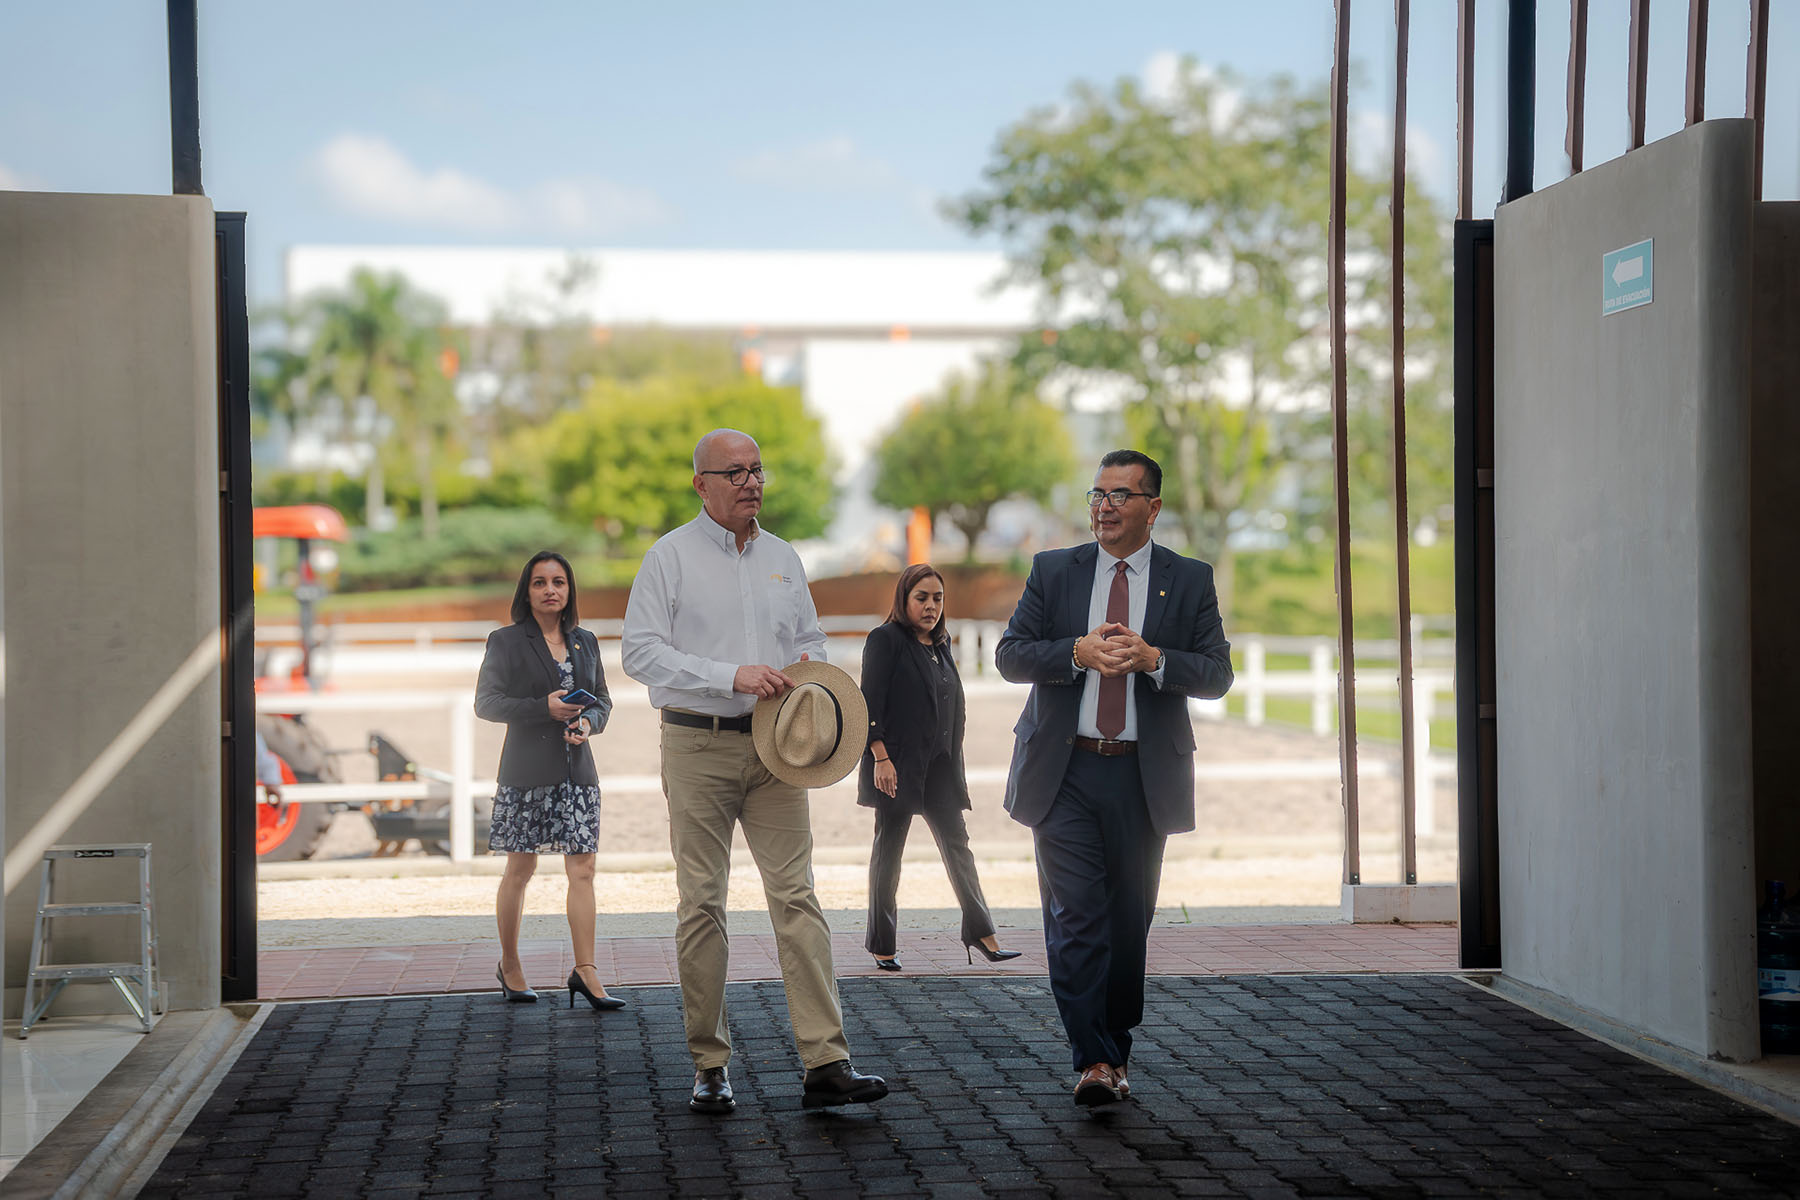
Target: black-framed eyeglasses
{"x":1118,"y":497}
{"x":739,"y":476}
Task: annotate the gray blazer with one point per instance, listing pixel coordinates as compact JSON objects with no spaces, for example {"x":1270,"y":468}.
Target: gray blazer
{"x":518,"y":673}
{"x":1181,"y":617}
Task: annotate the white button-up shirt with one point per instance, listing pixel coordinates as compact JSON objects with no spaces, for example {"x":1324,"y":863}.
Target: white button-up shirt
{"x":700,"y":609}
{"x":1137,"y":579}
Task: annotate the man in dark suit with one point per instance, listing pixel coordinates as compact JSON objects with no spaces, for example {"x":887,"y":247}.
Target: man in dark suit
{"x":1113,"y":636}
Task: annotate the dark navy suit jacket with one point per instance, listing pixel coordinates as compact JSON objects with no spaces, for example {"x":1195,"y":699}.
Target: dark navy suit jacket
{"x":1181,"y":618}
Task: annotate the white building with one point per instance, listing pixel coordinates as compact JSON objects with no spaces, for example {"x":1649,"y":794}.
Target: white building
{"x":862,"y":334}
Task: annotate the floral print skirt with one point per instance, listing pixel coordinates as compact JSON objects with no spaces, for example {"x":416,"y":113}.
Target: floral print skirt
{"x":563,"y":818}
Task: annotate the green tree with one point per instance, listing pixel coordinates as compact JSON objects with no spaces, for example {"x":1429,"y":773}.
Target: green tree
{"x":376,"y":352}
{"x":623,"y":461}
{"x":981,"y":440}
{"x":1179,"y":245}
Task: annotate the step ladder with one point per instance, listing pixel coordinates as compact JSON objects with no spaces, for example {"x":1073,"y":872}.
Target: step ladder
{"x":52,"y":978}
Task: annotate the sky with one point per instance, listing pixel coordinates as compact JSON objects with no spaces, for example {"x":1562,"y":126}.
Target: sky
{"x":783,"y":125}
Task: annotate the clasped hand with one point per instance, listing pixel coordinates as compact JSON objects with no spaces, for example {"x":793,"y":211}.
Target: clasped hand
{"x":761,"y":681}
{"x":1114,"y":649}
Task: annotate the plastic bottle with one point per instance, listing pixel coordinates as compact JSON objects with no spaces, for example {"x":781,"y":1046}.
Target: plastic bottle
{"x":1778,"y":971}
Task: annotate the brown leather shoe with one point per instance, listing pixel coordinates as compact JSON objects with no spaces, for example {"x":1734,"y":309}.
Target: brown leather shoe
{"x":712,"y":1092}
{"x":1099,"y":1084}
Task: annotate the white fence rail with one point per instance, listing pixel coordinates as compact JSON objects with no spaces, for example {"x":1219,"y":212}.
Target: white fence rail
{"x":447,"y":646}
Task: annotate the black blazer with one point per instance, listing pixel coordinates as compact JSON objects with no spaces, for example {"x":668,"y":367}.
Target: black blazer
{"x":518,"y":673}
{"x":903,"y":712}
{"x":1181,"y":617}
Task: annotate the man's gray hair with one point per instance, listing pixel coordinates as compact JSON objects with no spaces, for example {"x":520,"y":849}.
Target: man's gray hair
{"x":705,"y":444}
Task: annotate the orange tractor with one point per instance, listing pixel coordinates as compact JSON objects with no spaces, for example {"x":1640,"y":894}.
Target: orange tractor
{"x":287,"y":831}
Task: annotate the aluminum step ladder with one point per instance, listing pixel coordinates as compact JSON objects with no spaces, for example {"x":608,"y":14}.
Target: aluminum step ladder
{"x":52,"y":978}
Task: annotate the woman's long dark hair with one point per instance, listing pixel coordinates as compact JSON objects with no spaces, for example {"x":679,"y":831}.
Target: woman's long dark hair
{"x":521,"y":605}
{"x":909,"y":579}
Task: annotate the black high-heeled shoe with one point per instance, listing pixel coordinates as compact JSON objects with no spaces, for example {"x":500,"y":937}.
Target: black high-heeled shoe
{"x":886,"y":964}
{"x":990,"y":955}
{"x":600,"y":1003}
{"x":514,"y":995}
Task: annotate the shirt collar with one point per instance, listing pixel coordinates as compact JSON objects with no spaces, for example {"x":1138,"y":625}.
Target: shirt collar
{"x":724,"y":536}
{"x":1138,"y":560}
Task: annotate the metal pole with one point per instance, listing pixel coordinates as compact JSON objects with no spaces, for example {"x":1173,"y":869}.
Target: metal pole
{"x":1521,"y":96}
{"x":1577,"y":96}
{"x":1340,"y":448}
{"x":1696,"y":62}
{"x":1637,"y":73}
{"x":1409,"y":864}
{"x":1465,"y":106}
{"x":1756,"y":83}
{"x":184,"y":97}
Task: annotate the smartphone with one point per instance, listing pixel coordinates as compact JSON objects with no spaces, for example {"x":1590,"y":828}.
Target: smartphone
{"x":581,"y":696}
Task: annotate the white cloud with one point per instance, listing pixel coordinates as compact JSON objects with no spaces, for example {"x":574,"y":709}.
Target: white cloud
{"x":829,"y":163}
{"x":366,"y":175}
{"x":1167,"y":74}
{"x":18,"y":181}
{"x":1371,"y":145}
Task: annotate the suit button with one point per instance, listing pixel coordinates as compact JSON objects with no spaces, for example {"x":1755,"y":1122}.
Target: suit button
{"x":1069,"y":741}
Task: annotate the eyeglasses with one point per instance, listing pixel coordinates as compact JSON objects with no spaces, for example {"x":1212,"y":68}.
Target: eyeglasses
{"x":739,"y":476}
{"x":1118,"y":497}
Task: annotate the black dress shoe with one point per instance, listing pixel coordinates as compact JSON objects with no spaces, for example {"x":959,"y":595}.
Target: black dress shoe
{"x":712,"y":1092}
{"x":515,"y":995}
{"x":886,"y":964}
{"x":990,"y":955}
{"x":838,"y":1083}
{"x":602,"y":1003}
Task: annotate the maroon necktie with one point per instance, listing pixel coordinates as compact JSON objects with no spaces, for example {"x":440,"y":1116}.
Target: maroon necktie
{"x":1111,"y":717}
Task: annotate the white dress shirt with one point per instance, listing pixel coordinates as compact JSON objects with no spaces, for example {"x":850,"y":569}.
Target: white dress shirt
{"x":1137,"y":579}
{"x":700,"y":609}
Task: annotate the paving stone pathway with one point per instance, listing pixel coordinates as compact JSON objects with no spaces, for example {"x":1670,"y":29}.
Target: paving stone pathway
{"x":1384,"y":1085}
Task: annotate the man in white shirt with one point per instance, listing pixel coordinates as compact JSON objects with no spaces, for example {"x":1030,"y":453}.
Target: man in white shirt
{"x":1113,"y":636}
{"x":715,"y":606}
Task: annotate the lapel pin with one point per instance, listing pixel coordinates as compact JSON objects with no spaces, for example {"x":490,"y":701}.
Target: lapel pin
{"x":1162,"y":593}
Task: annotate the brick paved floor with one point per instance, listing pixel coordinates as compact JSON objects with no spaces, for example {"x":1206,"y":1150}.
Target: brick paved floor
{"x":1243,"y":1086}
{"x":637,"y":961}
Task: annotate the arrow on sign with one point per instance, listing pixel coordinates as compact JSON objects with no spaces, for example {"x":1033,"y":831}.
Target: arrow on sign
{"x":1627,"y":269}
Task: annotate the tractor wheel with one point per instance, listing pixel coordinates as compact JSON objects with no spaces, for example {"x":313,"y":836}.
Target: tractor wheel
{"x":288,"y":832}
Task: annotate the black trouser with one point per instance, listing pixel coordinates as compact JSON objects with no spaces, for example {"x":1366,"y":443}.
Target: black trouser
{"x":952,"y":834}
{"x":1099,"y":863}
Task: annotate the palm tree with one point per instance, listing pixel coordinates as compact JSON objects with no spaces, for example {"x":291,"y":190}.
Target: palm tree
{"x":377,"y":348}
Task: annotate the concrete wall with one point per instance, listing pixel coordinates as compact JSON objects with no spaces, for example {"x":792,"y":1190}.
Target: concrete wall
{"x":1775,"y":529}
{"x":1622,"y":596}
{"x":108,"y":384}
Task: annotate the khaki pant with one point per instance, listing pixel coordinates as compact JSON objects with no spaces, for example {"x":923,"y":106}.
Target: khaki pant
{"x":713,"y":780}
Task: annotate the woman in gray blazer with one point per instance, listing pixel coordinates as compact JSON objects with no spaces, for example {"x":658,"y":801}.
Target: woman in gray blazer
{"x":548,"y":796}
{"x":914,"y":763}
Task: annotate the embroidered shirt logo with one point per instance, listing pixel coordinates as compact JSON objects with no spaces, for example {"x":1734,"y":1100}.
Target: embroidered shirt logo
{"x":778,"y":577}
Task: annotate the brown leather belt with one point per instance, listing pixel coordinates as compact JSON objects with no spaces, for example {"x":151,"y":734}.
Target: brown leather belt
{"x":1106,"y":748}
{"x":673,"y":716}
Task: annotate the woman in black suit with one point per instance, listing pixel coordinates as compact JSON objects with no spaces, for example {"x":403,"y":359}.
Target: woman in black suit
{"x":548,"y":795}
{"x":914,"y":764}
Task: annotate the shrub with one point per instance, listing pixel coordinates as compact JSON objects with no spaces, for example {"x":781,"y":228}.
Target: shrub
{"x":474,"y":545}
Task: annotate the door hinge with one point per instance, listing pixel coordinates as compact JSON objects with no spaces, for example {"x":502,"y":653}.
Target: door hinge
{"x":224,"y":481}
{"x":224,"y":729}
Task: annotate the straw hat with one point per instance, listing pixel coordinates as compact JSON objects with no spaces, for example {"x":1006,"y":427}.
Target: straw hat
{"x":812,"y":735}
